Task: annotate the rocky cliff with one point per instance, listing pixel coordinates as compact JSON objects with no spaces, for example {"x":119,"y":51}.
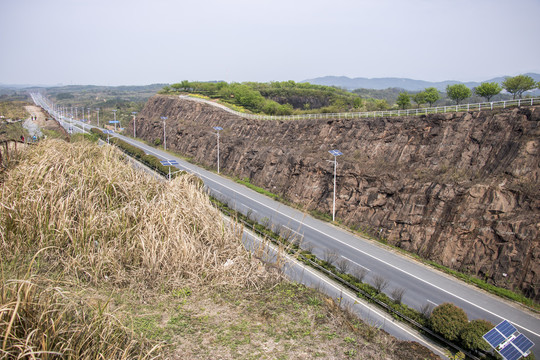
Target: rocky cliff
{"x":462,"y":189}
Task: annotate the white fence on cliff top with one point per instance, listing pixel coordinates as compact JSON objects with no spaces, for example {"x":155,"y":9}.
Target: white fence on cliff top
{"x":355,"y":115}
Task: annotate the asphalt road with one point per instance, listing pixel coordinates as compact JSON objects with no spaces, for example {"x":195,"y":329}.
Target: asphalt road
{"x":423,"y":286}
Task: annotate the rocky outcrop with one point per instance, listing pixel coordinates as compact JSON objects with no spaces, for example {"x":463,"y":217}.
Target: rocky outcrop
{"x":462,"y":189}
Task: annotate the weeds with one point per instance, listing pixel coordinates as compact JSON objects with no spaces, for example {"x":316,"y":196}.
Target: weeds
{"x":109,"y":223}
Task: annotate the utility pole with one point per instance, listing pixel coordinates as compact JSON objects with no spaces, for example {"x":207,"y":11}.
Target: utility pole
{"x":335,"y":153}
{"x":218,"y":129}
{"x":134,"y":125}
{"x":164,"y":135}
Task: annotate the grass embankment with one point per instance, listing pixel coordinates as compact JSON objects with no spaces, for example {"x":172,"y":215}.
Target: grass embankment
{"x":12,"y":110}
{"x":101,"y":261}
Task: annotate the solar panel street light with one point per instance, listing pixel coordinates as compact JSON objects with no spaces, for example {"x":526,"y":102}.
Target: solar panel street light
{"x":335,"y":154}
{"x":164,"y":135}
{"x":508,"y":342}
{"x":114,"y":112}
{"x":134,"y":127}
{"x":169,"y":163}
{"x":108,"y":132}
{"x":218,"y":129}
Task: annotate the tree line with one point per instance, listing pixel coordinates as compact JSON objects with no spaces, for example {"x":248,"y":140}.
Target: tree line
{"x":516,"y":86}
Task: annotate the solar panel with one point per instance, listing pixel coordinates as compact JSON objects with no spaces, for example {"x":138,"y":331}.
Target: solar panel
{"x":510,"y":352}
{"x":169,"y":162}
{"x":335,"y":152}
{"x":506,"y":328}
{"x":494,"y":337}
{"x":523,"y":343}
{"x":505,"y":334}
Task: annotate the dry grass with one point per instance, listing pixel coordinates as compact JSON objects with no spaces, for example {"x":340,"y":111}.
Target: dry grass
{"x":47,"y":322}
{"x":106,"y":222}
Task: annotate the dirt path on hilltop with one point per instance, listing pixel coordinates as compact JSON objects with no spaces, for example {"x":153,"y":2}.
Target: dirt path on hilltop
{"x":38,"y":120}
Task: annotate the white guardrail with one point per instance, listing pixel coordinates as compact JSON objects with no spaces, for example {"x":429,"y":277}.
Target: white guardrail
{"x":367,"y":114}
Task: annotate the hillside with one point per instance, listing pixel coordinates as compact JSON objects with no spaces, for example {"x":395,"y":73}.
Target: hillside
{"x":392,"y":82}
{"x":123,"y":265}
{"x":460,"y":189}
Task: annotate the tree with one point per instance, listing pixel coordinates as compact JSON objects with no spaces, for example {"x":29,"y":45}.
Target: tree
{"x":448,"y":320}
{"x":431,"y":95}
{"x":517,"y":85}
{"x":379,"y":283}
{"x":458,"y":92}
{"x":419,"y":98}
{"x":488,"y":90}
{"x":403,"y":100}
{"x":471,"y":335}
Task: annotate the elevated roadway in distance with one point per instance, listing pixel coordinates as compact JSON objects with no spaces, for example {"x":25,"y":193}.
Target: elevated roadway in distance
{"x":424,"y":286}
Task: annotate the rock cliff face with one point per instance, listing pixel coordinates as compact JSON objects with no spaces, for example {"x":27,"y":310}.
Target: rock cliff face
{"x":460,"y":189}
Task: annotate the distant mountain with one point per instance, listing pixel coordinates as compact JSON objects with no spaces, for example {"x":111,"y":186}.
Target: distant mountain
{"x":402,"y":83}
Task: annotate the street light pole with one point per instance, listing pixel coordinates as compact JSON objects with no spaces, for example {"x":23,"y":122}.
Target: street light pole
{"x":218,"y":129}
{"x":97,"y":109}
{"x":335,"y":153}
{"x":134,"y":127}
{"x":164,"y":135}
{"x":114,"y":112}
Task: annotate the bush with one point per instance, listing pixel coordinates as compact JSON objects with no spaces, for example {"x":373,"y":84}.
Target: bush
{"x":448,"y":320}
{"x":471,"y":335}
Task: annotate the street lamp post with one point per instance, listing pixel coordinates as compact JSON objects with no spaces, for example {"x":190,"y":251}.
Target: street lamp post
{"x":114,"y":112}
{"x":97,"y":109}
{"x":164,"y":135}
{"x":334,"y":153}
{"x":218,"y":129}
{"x":134,"y":127}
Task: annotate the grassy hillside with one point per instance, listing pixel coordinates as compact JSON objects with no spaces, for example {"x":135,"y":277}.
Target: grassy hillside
{"x":99,"y":260}
{"x":274,"y":98}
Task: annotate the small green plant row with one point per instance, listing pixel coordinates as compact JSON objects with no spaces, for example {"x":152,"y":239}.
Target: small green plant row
{"x":400,"y":311}
{"x":137,"y":153}
{"x":258,"y":189}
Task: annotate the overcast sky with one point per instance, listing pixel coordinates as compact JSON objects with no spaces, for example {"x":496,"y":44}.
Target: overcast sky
{"x":137,"y":42}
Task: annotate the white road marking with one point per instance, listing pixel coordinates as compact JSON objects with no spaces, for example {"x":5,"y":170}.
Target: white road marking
{"x":431,"y":302}
{"x":365,"y":253}
{"x":355,"y":263}
{"x":296,"y":232}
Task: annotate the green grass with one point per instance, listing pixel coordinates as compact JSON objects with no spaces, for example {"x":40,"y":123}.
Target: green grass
{"x":258,"y":189}
{"x":505,"y":293}
{"x":12,"y":131}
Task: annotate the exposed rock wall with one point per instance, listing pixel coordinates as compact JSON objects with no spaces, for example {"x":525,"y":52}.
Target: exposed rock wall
{"x":461,"y":189}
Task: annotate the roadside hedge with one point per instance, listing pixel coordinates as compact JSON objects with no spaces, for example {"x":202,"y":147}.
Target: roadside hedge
{"x":139,"y":154}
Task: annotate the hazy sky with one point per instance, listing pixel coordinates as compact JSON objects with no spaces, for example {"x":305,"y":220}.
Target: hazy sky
{"x":137,"y":42}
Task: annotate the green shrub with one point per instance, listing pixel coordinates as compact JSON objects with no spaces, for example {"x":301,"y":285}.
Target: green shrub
{"x":471,"y":335}
{"x":448,"y":320}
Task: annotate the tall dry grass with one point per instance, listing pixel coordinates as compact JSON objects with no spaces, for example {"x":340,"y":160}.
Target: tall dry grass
{"x":47,"y":322}
{"x":103,"y":221}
